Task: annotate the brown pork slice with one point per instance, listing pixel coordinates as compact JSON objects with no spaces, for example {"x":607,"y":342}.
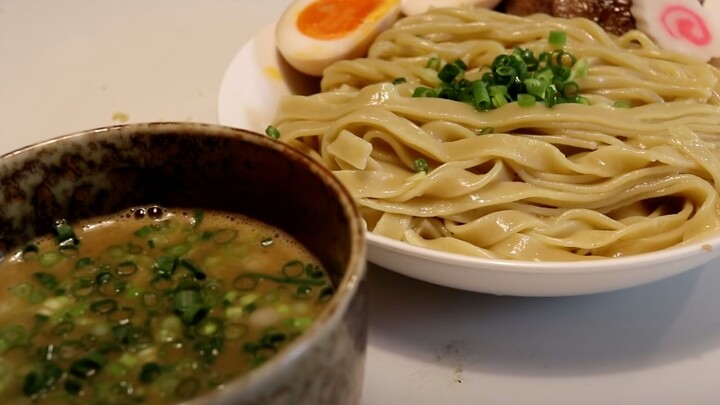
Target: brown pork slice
{"x":613,"y":15}
{"x":527,"y":7}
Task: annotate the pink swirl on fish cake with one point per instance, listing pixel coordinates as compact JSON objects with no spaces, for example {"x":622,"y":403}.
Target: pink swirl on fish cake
{"x":682,"y":23}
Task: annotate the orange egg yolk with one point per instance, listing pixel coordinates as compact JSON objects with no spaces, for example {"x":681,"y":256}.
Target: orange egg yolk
{"x":330,"y":19}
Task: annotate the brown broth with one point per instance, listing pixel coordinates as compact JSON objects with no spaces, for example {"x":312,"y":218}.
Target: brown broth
{"x":151,"y":306}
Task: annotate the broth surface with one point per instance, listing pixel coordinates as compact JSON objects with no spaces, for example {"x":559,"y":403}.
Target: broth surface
{"x":150,"y":306}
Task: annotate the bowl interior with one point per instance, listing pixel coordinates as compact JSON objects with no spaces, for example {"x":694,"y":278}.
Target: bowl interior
{"x":173,"y":165}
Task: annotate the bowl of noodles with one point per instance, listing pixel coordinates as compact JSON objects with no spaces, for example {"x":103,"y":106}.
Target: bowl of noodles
{"x":610,"y":184}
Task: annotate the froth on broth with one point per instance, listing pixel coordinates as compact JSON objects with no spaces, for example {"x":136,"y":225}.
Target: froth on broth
{"x":150,"y":306}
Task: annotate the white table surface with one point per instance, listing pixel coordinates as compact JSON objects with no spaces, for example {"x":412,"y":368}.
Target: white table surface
{"x":69,"y":65}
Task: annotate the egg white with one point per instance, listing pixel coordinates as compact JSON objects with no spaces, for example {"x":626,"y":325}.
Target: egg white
{"x":413,"y":7}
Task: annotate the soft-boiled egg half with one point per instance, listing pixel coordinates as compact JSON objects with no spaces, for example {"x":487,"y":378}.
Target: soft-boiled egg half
{"x":313,"y":34}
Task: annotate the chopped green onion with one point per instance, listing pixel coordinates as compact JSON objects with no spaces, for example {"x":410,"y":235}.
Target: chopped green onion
{"x":424,"y":92}
{"x":111,"y":287}
{"x":129,"y":334}
{"x":144,"y":231}
{"x":21,"y":290}
{"x":272,"y":132}
{"x":446,"y":91}
{"x":47,"y":280}
{"x":194,"y":314}
{"x":535,"y":86}
{"x":197,"y":218}
{"x":73,"y":386}
{"x":103,"y":277}
{"x":192,"y":268}
{"x":63,"y":328}
{"x":420,"y":165}
{"x":499,"y":95}
{"x":505,"y":74}
{"x":69,"y":349}
{"x":512,"y":77}
{"x":234,"y":330}
{"x":160,"y":283}
{"x":527,"y":57}
{"x":303,"y":291}
{"x":83,"y":262}
{"x":545,"y":75}
{"x":36,"y":296}
{"x":562,"y":73}
{"x":189,"y":306}
{"x":579,"y":69}
{"x":116,"y":370}
{"x":126,"y":268}
{"x":49,"y":259}
{"x":433,"y":63}
{"x":165,"y":266}
{"x":41,"y":379}
{"x":302,"y":323}
{"x":82,"y":287}
{"x":621,"y":104}
{"x":210,"y":326}
{"x":116,"y":251}
{"x":570,"y":89}
{"x":551,"y":97}
{"x":178,"y":250}
{"x":15,"y":335}
{"x":149,"y":372}
{"x":29,"y":251}
{"x":485,"y":131}
{"x":134,"y":249}
{"x":88,"y":366}
{"x":526,"y":100}
{"x":399,"y":80}
{"x":557,"y":38}
{"x":325,"y":294}
{"x":104,"y":306}
{"x":64,"y":234}
{"x":224,"y":236}
{"x":314,"y":271}
{"x":272,"y":337}
{"x":68,"y":250}
{"x":149,"y":300}
{"x":562,"y":58}
{"x":582,"y":100}
{"x":293,"y":268}
{"x":245,"y":282}
{"x":480,"y":96}
{"x":450,"y":72}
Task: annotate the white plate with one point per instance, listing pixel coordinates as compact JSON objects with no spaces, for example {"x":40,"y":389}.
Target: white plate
{"x":254,"y":83}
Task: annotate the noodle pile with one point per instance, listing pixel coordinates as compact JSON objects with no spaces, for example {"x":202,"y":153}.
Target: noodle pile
{"x":569,"y":182}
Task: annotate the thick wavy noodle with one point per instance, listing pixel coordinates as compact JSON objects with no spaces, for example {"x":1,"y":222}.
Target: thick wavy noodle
{"x":563,"y":183}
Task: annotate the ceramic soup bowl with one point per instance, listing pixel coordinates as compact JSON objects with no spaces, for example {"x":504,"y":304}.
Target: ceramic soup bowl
{"x":211,"y":167}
